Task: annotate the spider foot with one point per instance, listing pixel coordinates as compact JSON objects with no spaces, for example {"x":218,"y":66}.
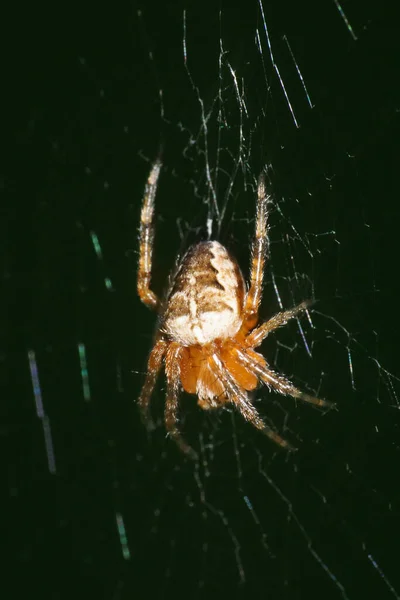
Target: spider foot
{"x":147,"y":420}
{"x":183,"y":446}
{"x":278,"y":439}
{"x":326,"y":405}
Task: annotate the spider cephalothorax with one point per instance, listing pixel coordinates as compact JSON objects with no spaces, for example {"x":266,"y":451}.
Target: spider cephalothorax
{"x":208,"y":325}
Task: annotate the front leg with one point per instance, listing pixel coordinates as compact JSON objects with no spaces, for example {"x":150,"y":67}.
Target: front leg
{"x":146,"y":295}
{"x":258,"y":255}
{"x":255,"y":338}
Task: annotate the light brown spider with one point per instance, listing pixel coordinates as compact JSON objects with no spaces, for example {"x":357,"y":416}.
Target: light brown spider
{"x":208,"y":332}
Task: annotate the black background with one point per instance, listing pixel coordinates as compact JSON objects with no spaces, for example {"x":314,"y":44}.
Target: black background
{"x":82,"y":123}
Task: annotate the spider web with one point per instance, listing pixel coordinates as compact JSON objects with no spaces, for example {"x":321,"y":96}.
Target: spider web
{"x":222,"y":92}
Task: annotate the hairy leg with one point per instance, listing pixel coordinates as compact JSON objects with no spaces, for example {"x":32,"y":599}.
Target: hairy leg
{"x":256,"y":337}
{"x":153,"y":368}
{"x":279,"y":382}
{"x":146,"y":295}
{"x":258,"y":255}
{"x":240,"y":400}
{"x":172,"y":405}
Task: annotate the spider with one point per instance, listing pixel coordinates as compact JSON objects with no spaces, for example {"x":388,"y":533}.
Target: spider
{"x":208,"y":326}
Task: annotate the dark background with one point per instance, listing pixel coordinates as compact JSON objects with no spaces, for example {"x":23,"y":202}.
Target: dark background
{"x":82,"y":123}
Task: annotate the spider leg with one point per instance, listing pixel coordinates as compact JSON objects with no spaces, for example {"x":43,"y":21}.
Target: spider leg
{"x":258,"y":256}
{"x":240,"y":400}
{"x":153,"y":368}
{"x":255,"y":338}
{"x":172,"y":371}
{"x":279,"y":382}
{"x":146,"y":237}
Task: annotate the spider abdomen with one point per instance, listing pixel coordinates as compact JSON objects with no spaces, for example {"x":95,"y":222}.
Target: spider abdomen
{"x":206,"y":298}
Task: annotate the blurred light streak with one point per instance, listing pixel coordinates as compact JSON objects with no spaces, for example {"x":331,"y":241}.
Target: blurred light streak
{"x":96,"y":245}
{"x":353,"y":385}
{"x":345,"y":19}
{"x":99,"y":254}
{"x":385,"y":579}
{"x":108,"y":284}
{"x":122,"y":536}
{"x":37,"y":392}
{"x":84,"y":372}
